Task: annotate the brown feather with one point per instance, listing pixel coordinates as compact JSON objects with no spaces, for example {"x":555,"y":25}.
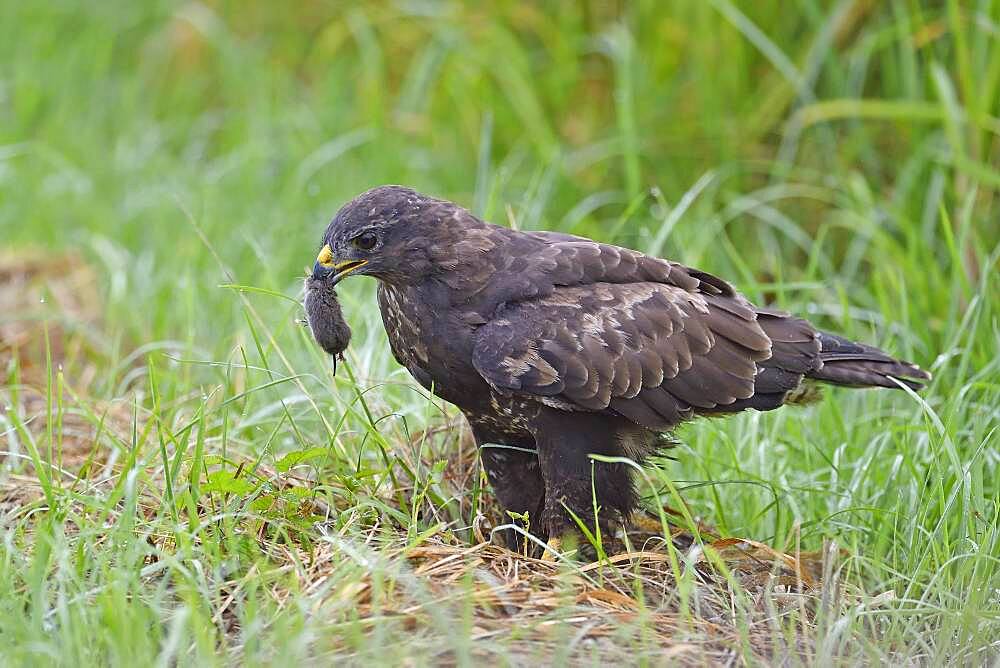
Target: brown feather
{"x":705,"y":357}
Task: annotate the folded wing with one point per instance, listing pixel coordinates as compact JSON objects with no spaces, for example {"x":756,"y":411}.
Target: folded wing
{"x":651,"y":351}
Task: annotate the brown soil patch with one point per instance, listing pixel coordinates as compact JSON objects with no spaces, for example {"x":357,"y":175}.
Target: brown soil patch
{"x":50,"y":324}
{"x":47,"y":297}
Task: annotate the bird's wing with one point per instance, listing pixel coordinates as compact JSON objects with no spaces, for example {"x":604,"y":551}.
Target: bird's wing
{"x":651,"y":351}
{"x":568,"y":261}
{"x":505,"y":266}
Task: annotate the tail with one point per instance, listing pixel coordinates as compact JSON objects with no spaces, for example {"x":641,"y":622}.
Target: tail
{"x":853,"y":364}
{"x":802,"y":357}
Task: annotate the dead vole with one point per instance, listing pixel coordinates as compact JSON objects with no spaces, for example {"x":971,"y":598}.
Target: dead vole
{"x":326,"y":320}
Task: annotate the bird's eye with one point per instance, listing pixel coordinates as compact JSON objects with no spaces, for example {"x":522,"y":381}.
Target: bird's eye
{"x":365,"y":241}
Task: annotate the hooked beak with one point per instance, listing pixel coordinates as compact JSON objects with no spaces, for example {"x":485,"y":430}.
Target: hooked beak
{"x":327,"y":268}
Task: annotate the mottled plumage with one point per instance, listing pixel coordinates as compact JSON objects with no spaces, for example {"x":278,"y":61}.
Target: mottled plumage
{"x":566,"y":347}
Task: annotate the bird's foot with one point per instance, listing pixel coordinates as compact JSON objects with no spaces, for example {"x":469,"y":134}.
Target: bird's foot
{"x":553,"y":550}
{"x":647,"y":524}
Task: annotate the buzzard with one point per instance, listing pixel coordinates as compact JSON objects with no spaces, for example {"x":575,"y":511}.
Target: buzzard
{"x":556,"y":347}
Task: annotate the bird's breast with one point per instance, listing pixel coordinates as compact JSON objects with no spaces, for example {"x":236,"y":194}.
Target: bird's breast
{"x":433,"y":343}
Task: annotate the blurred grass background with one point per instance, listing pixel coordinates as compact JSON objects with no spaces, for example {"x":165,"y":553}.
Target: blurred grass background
{"x":838,"y":159}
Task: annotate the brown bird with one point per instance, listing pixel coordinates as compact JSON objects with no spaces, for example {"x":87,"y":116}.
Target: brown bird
{"x":556,"y":347}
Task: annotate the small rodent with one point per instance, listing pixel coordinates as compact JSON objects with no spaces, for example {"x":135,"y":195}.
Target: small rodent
{"x":326,"y":320}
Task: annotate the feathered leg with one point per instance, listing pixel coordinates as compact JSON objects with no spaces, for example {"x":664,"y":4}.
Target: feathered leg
{"x":515,"y":478}
{"x":573,"y":481}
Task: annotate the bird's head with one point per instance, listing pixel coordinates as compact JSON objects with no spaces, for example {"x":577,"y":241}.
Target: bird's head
{"x":387,"y":232}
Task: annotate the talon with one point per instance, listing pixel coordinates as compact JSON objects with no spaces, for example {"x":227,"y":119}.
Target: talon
{"x":552,"y":549}
{"x":648,"y":524}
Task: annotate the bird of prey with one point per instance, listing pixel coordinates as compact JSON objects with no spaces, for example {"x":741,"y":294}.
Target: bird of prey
{"x":561,"y":347}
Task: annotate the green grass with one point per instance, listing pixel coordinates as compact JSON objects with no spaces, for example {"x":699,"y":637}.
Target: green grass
{"x":837,"y":159}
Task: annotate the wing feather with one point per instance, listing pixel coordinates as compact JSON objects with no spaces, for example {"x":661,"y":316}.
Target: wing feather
{"x":650,"y":351}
